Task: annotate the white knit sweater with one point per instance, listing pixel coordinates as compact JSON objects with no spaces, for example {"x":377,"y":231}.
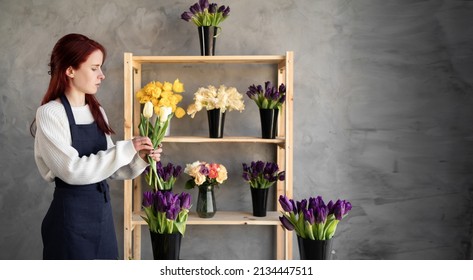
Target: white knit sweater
{"x":55,"y":157}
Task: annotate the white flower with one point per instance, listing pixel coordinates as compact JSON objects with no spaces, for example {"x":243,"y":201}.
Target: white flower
{"x":211,"y":98}
{"x":164,"y":113}
{"x":148,"y":110}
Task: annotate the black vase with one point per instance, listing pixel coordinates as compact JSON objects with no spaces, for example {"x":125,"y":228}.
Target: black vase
{"x":216,"y":123}
{"x":314,"y":249}
{"x":207,"y":38}
{"x":269,"y":123}
{"x":259,"y":198}
{"x":166,"y":246}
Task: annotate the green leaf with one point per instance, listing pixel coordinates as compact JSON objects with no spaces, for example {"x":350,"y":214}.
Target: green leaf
{"x":190,"y":184}
{"x":308,"y":230}
{"x":330,"y":229}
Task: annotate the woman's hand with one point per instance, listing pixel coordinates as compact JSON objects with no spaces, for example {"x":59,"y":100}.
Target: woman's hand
{"x":144,"y":147}
{"x":156,"y":154}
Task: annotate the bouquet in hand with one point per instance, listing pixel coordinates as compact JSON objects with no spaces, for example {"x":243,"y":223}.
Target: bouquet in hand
{"x":156,"y":133}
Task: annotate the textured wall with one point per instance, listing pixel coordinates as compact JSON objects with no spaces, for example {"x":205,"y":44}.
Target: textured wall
{"x":383,"y":97}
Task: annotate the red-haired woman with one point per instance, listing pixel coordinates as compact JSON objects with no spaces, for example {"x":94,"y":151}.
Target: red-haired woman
{"x":74,"y":149}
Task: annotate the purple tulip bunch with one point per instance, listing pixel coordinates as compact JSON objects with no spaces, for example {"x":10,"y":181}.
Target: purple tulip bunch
{"x":168,"y":175}
{"x":262,"y":175}
{"x":313,"y":219}
{"x":166,"y":212}
{"x":268,"y":97}
{"x":205,"y":14}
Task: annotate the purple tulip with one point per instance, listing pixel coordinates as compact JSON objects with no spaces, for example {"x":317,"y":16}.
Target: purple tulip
{"x":195,"y":9}
{"x":282,"y":176}
{"x":282,"y":99}
{"x":172,"y":212}
{"x":321,"y":213}
{"x":286,"y":203}
{"x":286,"y":223}
{"x":316,"y":202}
{"x":301,"y":205}
{"x":341,"y":208}
{"x":204,"y":4}
{"x":226,"y":12}
{"x":187,"y":16}
{"x":177,"y":171}
{"x":148,"y":198}
{"x":185,"y":200}
{"x":213,"y":8}
{"x":282,"y":88}
{"x":160,"y":202}
{"x":308,"y":216}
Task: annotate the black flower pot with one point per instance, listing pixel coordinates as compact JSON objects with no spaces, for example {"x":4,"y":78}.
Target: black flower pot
{"x":314,"y":249}
{"x":259,"y":198}
{"x":216,"y":123}
{"x":166,"y":246}
{"x":207,"y":38}
{"x":269,"y":123}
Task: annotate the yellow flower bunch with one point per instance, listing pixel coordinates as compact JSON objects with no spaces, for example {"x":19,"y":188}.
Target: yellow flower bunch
{"x":163,"y":95}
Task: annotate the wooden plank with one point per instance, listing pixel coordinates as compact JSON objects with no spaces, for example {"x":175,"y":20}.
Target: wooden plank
{"x":229,"y":139}
{"x":224,"y":218}
{"x":127,"y":127}
{"x":289,"y":140}
{"x":227,"y":59}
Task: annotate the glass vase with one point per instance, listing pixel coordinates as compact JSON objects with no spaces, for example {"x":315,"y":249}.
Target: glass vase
{"x":206,"y":206}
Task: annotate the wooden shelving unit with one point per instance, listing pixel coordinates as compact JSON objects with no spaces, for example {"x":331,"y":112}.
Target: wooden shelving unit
{"x":283,"y":148}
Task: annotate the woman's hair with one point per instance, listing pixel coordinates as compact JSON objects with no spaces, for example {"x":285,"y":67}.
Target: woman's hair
{"x":71,"y":51}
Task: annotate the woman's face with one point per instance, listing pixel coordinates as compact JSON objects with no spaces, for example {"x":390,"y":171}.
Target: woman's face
{"x":88,"y":77}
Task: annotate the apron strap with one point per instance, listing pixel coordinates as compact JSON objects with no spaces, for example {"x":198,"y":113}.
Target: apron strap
{"x":67,"y":106}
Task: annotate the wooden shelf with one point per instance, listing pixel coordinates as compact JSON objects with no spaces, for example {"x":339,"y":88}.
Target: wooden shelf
{"x":224,"y":218}
{"x":223,"y":59}
{"x":232,"y":139}
{"x":282,"y":146}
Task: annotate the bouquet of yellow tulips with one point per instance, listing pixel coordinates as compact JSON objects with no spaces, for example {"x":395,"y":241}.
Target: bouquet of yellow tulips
{"x":160,"y":99}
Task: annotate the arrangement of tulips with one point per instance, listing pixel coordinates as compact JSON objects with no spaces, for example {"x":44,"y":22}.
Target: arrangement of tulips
{"x":204,"y":13}
{"x":166,"y":212}
{"x":268,"y":97}
{"x":313,"y":219}
{"x":262,"y":175}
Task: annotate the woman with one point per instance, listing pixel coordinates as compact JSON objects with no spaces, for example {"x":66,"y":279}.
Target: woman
{"x":74,"y":149}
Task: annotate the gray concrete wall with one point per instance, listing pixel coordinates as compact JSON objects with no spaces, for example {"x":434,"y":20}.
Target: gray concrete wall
{"x":383,"y":98}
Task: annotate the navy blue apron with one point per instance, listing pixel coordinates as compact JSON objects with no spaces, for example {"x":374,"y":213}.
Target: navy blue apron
{"x":79,"y":223}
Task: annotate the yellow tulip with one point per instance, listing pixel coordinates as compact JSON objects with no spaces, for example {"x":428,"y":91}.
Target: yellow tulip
{"x":167,"y":86}
{"x":178,"y":86}
{"x":180,"y":112}
{"x":148,"y":110}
